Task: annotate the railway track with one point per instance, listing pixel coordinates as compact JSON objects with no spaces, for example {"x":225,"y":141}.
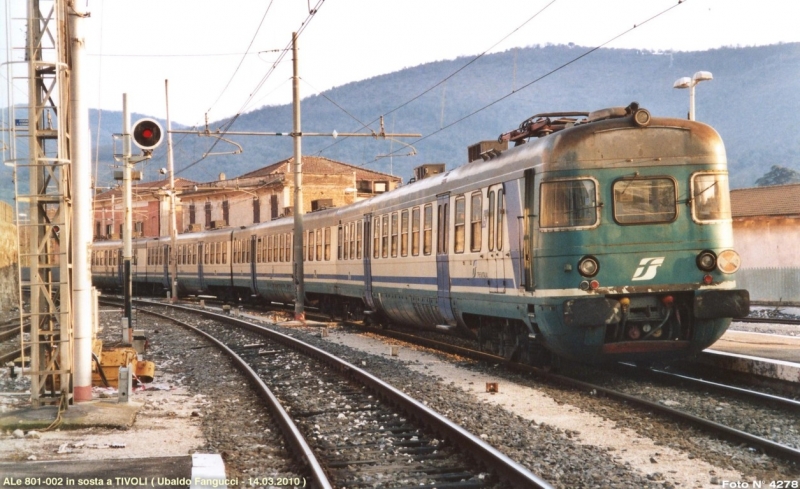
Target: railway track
{"x":358,"y":431}
{"x":729,"y":431}
{"x":790,"y":321}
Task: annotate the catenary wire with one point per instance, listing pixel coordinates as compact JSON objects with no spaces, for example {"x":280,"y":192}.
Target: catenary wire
{"x":227,"y":125}
{"x":260,"y":24}
{"x":445,"y":79}
{"x":536,"y":80}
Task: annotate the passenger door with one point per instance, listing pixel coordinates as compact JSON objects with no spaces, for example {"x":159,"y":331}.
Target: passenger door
{"x":443,"y":258}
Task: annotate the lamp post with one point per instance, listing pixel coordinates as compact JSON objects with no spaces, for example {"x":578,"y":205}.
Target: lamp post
{"x":690,"y":83}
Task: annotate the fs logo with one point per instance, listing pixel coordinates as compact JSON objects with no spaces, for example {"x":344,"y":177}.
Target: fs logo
{"x":648,"y":268}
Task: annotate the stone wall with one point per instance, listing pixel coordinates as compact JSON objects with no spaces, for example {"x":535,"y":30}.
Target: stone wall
{"x":9,"y":285}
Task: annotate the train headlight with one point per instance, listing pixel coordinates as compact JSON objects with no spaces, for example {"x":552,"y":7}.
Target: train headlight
{"x":588,"y":266}
{"x":728,"y":261}
{"x":706,"y":261}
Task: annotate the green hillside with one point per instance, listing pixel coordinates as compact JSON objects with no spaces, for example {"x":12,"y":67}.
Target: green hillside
{"x":752,"y":102}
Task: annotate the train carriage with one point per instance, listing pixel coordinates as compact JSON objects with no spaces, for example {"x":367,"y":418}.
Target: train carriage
{"x":599,"y":236}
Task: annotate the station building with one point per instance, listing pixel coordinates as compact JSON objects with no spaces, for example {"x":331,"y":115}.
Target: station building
{"x":254,"y":197}
{"x":766,"y":233}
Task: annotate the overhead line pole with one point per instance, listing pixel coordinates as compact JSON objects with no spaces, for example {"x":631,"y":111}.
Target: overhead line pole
{"x":173,"y":231}
{"x":297,"y":135}
{"x":297,"y":242}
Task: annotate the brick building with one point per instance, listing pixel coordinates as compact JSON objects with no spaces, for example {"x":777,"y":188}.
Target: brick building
{"x":257,"y":196}
{"x":268,"y":193}
{"x":150,"y":202}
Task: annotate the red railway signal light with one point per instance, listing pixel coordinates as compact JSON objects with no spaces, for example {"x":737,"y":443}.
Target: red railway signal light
{"x":147,"y":134}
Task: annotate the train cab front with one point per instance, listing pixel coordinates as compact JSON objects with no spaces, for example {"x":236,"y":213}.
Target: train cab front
{"x":648,"y":276}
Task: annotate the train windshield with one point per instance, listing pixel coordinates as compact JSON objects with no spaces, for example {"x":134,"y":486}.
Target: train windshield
{"x":645,"y":200}
{"x":568,"y":204}
{"x":710,"y":197}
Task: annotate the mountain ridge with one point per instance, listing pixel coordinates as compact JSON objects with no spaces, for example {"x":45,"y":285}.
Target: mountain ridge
{"x":752,"y":102}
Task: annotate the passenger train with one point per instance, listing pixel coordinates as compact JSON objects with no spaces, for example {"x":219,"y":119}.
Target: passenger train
{"x":597,"y":236}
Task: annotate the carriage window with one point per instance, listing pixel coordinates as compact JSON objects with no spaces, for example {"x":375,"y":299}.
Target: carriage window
{"x":359,"y":228}
{"x":309,"y":246}
{"x":247,"y":251}
{"x":224,"y":247}
{"x":443,"y":228}
{"x":710,"y":197}
{"x":327,"y":243}
{"x":340,"y":242}
{"x":645,"y":201}
{"x":476,"y":215}
{"x":288,"y":247}
{"x":348,"y":240}
{"x":260,"y":249}
{"x":376,"y":237}
{"x":385,"y":237}
{"x":319,"y":244}
{"x":394,"y":235}
{"x":352,"y":240}
{"x":415,"y":231}
{"x":570,"y":203}
{"x":491,"y":220}
{"x":460,"y":226}
{"x":279,"y":248}
{"x":428,"y":230}
{"x":404,"y":233}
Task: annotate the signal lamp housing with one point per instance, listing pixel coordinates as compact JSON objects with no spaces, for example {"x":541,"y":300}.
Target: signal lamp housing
{"x":147,"y":134}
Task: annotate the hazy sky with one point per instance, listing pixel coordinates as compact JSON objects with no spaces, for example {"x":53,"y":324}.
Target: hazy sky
{"x":134,"y":45}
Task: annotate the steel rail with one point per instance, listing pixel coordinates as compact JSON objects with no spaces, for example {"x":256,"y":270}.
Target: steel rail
{"x":761,"y":396}
{"x":300,"y":447}
{"x":506,"y":468}
{"x":769,"y":446}
{"x":7,"y":333}
{"x":768,"y":320}
{"x":10,"y":356}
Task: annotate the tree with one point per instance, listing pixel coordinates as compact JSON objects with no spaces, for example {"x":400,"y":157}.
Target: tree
{"x":778,"y":175}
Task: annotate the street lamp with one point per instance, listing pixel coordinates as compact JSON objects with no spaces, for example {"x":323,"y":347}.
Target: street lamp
{"x":690,"y":83}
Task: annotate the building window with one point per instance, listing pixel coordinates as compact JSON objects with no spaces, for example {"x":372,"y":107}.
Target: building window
{"x":256,"y":210}
{"x":273,"y":206}
{"x":208,"y":214}
{"x":226,"y":212}
{"x":191,"y":214}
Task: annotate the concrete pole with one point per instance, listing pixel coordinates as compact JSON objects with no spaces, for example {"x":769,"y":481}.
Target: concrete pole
{"x":82,"y":306}
{"x":173,"y":226}
{"x":127,"y":203}
{"x":297,"y":245}
{"x":691,"y":100}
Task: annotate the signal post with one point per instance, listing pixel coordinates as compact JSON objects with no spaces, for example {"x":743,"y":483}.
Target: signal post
{"x":147,"y":135}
